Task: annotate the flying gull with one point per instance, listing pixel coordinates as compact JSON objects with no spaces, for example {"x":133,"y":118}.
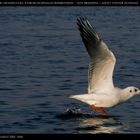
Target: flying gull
{"x":101,"y":91}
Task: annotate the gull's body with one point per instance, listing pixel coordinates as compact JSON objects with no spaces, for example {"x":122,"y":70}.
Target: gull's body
{"x":101,"y":91}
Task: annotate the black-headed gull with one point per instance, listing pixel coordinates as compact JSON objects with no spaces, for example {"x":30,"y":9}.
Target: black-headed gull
{"x":101,"y":91}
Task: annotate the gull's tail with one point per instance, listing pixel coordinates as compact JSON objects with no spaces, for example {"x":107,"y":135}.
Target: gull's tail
{"x":85,"y":98}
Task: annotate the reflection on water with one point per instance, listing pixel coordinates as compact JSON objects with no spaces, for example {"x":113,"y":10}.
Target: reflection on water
{"x":99,"y":125}
{"x":90,"y":123}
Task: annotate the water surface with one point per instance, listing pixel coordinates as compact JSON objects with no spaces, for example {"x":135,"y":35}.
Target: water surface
{"x":43,"y":61}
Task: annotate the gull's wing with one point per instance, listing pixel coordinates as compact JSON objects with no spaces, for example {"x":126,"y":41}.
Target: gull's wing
{"x":102,"y":60}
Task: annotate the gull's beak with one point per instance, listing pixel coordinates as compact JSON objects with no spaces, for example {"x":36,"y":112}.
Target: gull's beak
{"x":139,"y":91}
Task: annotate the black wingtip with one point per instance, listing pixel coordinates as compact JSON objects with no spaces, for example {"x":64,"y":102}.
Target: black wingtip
{"x":85,"y":27}
{"x":81,"y":20}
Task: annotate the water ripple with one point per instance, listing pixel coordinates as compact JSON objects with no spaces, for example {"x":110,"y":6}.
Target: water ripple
{"x":43,"y":61}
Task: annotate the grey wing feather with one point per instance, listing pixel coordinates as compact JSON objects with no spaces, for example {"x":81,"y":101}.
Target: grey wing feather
{"x":102,"y":59}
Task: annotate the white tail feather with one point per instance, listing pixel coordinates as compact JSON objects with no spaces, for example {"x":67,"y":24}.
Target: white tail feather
{"x":86,"y":98}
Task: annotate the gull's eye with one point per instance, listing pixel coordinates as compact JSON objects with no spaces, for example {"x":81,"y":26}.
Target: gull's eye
{"x":130,"y":90}
{"x":136,"y":90}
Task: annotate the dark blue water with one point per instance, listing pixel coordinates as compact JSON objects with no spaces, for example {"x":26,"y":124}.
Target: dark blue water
{"x":43,"y":61}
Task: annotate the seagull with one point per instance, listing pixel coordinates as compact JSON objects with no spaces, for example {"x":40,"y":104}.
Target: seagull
{"x":101,"y":91}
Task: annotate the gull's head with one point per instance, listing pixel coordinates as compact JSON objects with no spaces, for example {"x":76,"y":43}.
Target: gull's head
{"x":128,"y":93}
{"x":132,"y":90}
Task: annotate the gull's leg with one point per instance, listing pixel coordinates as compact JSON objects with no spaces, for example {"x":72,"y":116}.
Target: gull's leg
{"x":98,"y":109}
{"x":102,"y":110}
{"x":93,"y":108}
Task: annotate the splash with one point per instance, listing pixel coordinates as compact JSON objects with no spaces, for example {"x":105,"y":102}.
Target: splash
{"x":74,"y":113}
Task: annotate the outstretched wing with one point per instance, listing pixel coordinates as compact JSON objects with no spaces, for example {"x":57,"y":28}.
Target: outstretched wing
{"x":102,"y":60}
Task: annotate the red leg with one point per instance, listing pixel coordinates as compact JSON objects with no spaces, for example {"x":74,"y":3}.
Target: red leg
{"x":102,"y":110}
{"x":98,"y":109}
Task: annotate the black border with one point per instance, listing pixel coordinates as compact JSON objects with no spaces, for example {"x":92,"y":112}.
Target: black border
{"x":69,"y":3}
{"x":68,"y":136}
